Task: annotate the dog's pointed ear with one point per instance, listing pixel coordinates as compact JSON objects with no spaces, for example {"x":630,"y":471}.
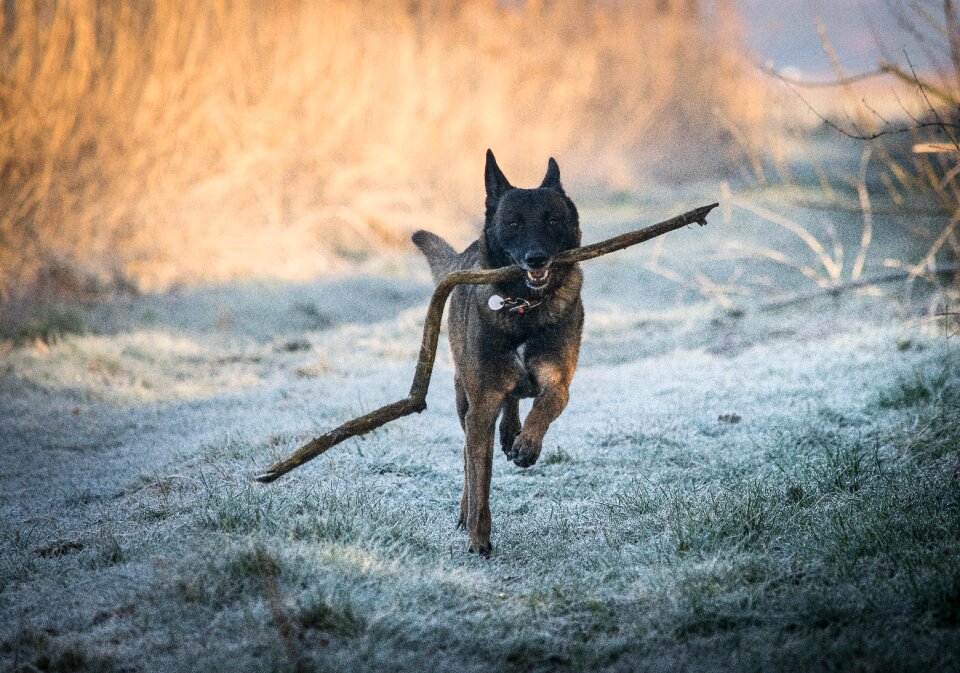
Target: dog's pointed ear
{"x":552,"y":179}
{"x":495,"y":180}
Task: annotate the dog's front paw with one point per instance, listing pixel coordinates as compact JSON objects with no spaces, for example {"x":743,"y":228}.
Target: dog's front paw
{"x":525,"y":451}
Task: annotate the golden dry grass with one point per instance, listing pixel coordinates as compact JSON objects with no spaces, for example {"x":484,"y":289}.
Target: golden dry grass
{"x":167,"y":142}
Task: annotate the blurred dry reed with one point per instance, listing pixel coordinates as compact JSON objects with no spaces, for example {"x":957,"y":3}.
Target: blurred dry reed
{"x":154,"y":143}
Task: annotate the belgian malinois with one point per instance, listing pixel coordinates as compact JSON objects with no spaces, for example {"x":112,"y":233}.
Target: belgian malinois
{"x":515,"y":339}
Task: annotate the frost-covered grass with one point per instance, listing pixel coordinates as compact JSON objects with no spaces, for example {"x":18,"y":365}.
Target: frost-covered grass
{"x":777,"y":491}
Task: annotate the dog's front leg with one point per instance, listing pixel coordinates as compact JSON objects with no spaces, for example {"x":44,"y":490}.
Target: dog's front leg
{"x":553,"y":381}
{"x":478,"y":458}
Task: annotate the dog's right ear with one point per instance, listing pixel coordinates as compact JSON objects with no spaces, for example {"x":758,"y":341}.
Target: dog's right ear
{"x":495,"y":180}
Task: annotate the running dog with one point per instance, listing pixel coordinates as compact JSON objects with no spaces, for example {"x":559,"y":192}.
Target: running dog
{"x":515,"y":339}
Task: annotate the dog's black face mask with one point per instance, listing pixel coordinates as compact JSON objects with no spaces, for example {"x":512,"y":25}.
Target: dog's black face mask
{"x":529,"y":227}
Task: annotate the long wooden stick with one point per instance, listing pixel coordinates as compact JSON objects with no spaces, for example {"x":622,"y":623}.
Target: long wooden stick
{"x":416,"y":400}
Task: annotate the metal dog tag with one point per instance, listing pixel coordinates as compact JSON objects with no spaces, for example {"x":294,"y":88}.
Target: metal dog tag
{"x":495,"y":302}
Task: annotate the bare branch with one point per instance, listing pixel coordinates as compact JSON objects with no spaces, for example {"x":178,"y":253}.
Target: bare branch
{"x":923,"y":42}
{"x":877,"y":134}
{"x":840,"y":288}
{"x":807,"y":84}
{"x":936,"y":114}
{"x":911,"y":78}
{"x":416,"y":399}
{"x":874,"y":112}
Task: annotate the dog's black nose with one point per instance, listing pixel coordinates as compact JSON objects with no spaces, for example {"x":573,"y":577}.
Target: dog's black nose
{"x":536,"y":259}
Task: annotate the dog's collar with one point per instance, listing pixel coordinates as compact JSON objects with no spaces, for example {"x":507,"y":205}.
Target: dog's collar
{"x":512,"y":304}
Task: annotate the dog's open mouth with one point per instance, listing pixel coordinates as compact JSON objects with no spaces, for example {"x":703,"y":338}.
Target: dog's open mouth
{"x":537,"y":279}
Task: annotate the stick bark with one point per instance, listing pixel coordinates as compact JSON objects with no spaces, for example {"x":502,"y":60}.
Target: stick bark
{"x":415,"y":401}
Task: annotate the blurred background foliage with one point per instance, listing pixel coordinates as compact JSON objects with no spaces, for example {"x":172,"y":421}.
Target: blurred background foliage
{"x":151,"y":144}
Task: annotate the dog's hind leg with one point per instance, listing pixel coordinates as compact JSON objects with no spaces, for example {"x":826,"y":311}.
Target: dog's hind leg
{"x":463,"y":405}
{"x":509,"y":424}
{"x":481,"y":424}
{"x":462,"y":402}
{"x":464,"y":498}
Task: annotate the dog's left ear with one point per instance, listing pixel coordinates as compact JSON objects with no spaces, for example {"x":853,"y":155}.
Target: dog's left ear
{"x":495,"y":181}
{"x":552,"y":179}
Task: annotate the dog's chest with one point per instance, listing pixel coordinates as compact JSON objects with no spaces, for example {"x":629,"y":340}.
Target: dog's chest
{"x":519,"y":326}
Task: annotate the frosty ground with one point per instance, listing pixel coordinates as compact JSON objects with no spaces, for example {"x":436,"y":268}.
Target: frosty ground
{"x":729,"y":488}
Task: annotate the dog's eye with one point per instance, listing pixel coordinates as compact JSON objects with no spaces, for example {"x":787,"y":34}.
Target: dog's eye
{"x":513,"y":224}
{"x":554,"y":221}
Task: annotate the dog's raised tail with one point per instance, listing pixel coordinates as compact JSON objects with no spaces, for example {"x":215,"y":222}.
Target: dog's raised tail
{"x":441,"y":257}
